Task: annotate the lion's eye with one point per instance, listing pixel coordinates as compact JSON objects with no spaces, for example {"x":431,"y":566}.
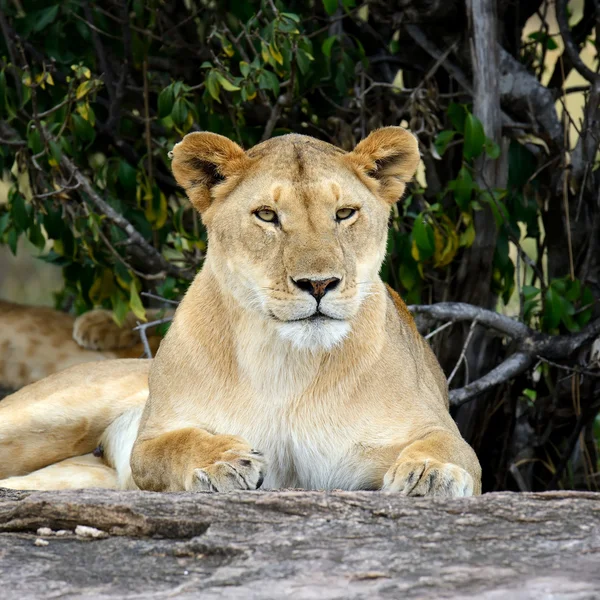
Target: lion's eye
{"x":267,"y":215}
{"x":344,"y":213}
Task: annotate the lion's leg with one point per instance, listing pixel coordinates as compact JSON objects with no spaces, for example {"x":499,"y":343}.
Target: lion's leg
{"x":440,"y":463}
{"x":86,"y":471}
{"x":195,"y":460}
{"x":65,"y":414}
{"x":116,"y":444}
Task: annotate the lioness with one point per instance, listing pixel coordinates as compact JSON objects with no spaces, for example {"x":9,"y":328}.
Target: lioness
{"x":289,"y":363}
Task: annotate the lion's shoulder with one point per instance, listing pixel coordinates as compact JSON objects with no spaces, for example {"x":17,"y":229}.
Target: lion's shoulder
{"x":425,"y":353}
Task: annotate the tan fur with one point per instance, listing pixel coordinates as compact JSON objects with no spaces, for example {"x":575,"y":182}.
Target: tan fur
{"x":251,"y":381}
{"x":37,"y":341}
{"x":65,"y":414}
{"x":357,"y":400}
{"x":86,"y":471}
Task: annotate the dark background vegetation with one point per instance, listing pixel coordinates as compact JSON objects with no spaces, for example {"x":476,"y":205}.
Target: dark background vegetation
{"x":504,"y":213}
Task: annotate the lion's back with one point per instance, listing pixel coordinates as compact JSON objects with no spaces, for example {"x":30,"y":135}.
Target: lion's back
{"x":38,"y":341}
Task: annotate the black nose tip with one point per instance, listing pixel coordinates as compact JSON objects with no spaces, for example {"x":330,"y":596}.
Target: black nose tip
{"x":317,"y":288}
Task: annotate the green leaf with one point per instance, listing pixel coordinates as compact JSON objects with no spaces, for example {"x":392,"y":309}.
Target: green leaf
{"x":36,"y":237}
{"x":573,"y":290}
{"x":327,"y":45}
{"x":408,"y":274}
{"x":303,"y":59}
{"x":291,"y":16}
{"x":269,"y":81}
{"x":530,"y":292}
{"x":83,"y":129}
{"x":553,"y":310}
{"x":330,"y":6}
{"x":135,"y":302}
{"x":44,"y":17}
{"x":53,"y":223}
{"x":165,"y":102}
{"x":119,"y":306}
{"x":34,"y":141}
{"x":497,"y":207}
{"x":463,"y":188}
{"x":12,"y":240}
{"x":180,"y":112}
{"x":212,"y":85}
{"x":457,"y":115}
{"x":4,"y":221}
{"x":19,"y":213}
{"x":587,"y":300}
{"x":55,"y":150}
{"x":474,"y":137}
{"x":127,"y":175}
{"x":423,"y":236}
{"x":244,"y":68}
{"x":225,"y":83}
{"x":543,"y":38}
{"x":442,"y":140}
{"x":491,"y":148}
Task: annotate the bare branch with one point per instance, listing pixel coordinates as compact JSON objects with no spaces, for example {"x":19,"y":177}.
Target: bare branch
{"x":152,"y":257}
{"x":514,"y":365}
{"x":531,"y":345}
{"x":459,"y":311}
{"x":463,"y":352}
{"x":156,"y":297}
{"x":570,"y":46}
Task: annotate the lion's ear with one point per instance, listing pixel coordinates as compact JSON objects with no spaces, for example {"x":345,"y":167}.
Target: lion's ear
{"x":389,"y":156}
{"x":203,"y":160}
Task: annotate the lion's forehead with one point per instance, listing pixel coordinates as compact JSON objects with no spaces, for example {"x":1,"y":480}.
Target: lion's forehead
{"x":297,"y":159}
{"x":306,"y":173}
{"x":294,"y":144}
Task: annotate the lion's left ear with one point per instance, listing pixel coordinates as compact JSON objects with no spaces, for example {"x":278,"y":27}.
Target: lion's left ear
{"x":388,"y":158}
{"x":203,"y":160}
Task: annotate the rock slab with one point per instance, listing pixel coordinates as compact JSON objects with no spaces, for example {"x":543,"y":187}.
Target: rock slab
{"x":300,"y":545}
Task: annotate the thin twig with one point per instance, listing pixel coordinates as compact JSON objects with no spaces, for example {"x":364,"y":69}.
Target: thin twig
{"x":463,"y":352}
{"x":143,"y":328}
{"x":440,"y":328}
{"x":157,"y":297}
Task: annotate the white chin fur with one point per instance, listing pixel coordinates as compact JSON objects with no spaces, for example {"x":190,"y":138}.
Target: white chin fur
{"x":319,"y":334}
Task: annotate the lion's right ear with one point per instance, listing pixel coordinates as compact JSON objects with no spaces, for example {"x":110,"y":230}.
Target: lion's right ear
{"x":203,"y":160}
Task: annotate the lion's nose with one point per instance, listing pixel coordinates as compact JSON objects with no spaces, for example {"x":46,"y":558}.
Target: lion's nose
{"x":317,"y":288}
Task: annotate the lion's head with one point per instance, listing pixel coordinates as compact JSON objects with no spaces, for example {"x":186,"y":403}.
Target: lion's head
{"x":297,"y":228}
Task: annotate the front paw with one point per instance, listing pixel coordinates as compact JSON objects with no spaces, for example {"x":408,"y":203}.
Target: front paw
{"x":428,"y":477}
{"x":235,"y":469}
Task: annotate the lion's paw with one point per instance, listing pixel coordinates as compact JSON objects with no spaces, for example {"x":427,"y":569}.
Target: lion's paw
{"x":235,"y":470}
{"x":428,"y":477}
{"x":96,"y":330}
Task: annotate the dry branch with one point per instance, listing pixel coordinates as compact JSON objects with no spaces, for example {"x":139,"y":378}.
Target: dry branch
{"x":530,"y":345}
{"x":570,"y":46}
{"x":154,"y":261}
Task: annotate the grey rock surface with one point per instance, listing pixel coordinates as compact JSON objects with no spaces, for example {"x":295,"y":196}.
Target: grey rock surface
{"x":300,"y":545}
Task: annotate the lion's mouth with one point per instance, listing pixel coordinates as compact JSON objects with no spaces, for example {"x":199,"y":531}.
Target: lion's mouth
{"x":316,"y":317}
